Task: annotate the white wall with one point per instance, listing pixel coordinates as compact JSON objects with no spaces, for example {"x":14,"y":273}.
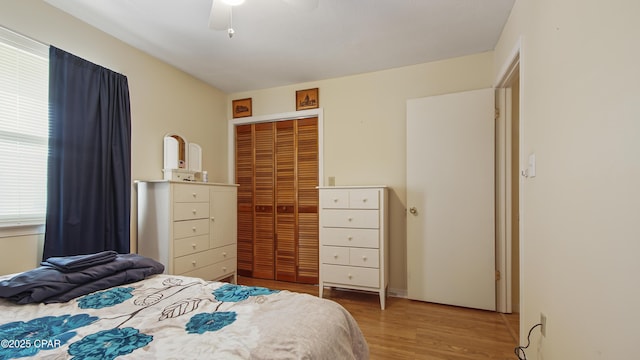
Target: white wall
{"x":365,"y":131}
{"x":581,"y":116}
{"x":163,"y":99}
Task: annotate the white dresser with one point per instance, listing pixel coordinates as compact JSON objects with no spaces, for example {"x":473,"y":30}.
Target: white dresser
{"x":354,"y":238}
{"x":191,"y":228}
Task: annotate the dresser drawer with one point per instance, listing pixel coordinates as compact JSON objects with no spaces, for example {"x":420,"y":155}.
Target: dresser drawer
{"x":215,"y":271}
{"x":364,"y":257}
{"x":193,"y":261}
{"x":350,"y":237}
{"x":190,"y":193}
{"x":335,"y":255}
{"x":190,"y":245}
{"x":334,"y":199}
{"x":189,"y":228}
{"x":351,"y":275}
{"x":350,"y":218}
{"x":364,"y":199}
{"x":189,"y":211}
{"x":224,"y":253}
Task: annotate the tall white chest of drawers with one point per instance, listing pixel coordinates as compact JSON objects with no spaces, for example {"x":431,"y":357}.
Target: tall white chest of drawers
{"x":191,"y":228}
{"x":354,"y":238}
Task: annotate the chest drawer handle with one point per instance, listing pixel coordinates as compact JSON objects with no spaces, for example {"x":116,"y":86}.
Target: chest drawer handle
{"x":335,"y":256}
{"x":213,"y":219}
{"x":224,"y":268}
{"x":194,"y":195}
{"x":193,"y":246}
{"x":193,"y":211}
{"x":194,"y":229}
{"x":349,"y":238}
{"x":335,"y":200}
{"x":224,"y":254}
{"x":350,"y":276}
{"x":364,"y":200}
{"x":350,"y":219}
{"x":364,"y":258}
{"x":193,"y":263}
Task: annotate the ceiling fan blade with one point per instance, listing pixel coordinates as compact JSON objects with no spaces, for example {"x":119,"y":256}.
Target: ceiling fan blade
{"x":307,"y":5}
{"x":220,"y":13}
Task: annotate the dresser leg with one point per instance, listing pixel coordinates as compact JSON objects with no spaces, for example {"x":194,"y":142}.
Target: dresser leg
{"x":321,"y":288}
{"x":383,"y":298}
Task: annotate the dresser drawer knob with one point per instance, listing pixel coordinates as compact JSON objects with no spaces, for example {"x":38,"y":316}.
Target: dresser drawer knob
{"x":364,"y":200}
{"x":335,"y":200}
{"x":350,"y":219}
{"x":193,"y":194}
{"x":193,"y":246}
{"x":335,"y":256}
{"x":224,"y":254}
{"x":224,"y":268}
{"x":349,"y":276}
{"x":213,"y":219}
{"x":349,"y":238}
{"x":194,"y":229}
{"x":193,"y":263}
{"x":193,"y":211}
{"x":364,"y":258}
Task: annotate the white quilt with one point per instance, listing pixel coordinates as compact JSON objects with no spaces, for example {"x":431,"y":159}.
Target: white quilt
{"x":175,"y":317}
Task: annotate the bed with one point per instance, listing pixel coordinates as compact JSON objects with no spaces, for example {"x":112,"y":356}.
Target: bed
{"x":177,"y":317}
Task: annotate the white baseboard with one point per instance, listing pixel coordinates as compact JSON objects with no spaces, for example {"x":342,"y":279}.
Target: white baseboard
{"x":399,"y":293}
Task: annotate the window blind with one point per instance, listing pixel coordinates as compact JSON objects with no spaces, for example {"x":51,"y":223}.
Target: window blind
{"x":24,"y":129}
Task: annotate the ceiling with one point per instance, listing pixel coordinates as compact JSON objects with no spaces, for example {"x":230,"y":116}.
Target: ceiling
{"x":277,"y":44}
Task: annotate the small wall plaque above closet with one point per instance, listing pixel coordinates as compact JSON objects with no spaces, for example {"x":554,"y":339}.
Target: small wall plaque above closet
{"x":182,"y":160}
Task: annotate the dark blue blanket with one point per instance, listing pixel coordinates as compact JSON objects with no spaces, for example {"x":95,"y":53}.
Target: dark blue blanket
{"x":79,"y":262}
{"x":48,"y":285}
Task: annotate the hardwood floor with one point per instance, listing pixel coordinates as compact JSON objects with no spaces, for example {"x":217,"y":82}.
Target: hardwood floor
{"x":410,"y":329}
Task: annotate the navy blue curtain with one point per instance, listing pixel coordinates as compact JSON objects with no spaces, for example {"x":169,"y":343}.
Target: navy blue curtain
{"x":89,"y":165}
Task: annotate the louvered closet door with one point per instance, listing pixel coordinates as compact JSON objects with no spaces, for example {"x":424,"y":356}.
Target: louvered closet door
{"x":244,"y":177}
{"x":285,"y":220}
{"x":264,"y":244}
{"x":307,"y":181}
{"x":277,"y":169}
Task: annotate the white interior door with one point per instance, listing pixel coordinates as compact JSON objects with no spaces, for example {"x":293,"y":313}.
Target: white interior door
{"x":451,"y":199}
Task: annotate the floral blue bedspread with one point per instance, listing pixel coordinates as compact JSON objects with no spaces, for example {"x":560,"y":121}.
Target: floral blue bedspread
{"x":175,"y":317}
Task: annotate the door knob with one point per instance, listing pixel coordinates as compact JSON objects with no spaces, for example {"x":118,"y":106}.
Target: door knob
{"x":413,"y":210}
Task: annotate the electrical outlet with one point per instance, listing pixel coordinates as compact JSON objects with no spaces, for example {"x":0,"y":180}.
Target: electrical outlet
{"x":543,"y":327}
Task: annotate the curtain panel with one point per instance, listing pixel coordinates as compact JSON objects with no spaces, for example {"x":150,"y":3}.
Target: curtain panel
{"x":89,"y":164}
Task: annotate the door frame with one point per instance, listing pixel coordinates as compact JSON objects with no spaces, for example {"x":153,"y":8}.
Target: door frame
{"x":294,"y":115}
{"x":511,"y":68}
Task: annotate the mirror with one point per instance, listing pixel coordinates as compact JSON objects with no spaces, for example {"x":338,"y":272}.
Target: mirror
{"x":174,"y":152}
{"x":180,"y":156}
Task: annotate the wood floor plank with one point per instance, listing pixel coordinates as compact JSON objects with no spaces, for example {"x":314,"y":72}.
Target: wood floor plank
{"x":410,"y":329}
